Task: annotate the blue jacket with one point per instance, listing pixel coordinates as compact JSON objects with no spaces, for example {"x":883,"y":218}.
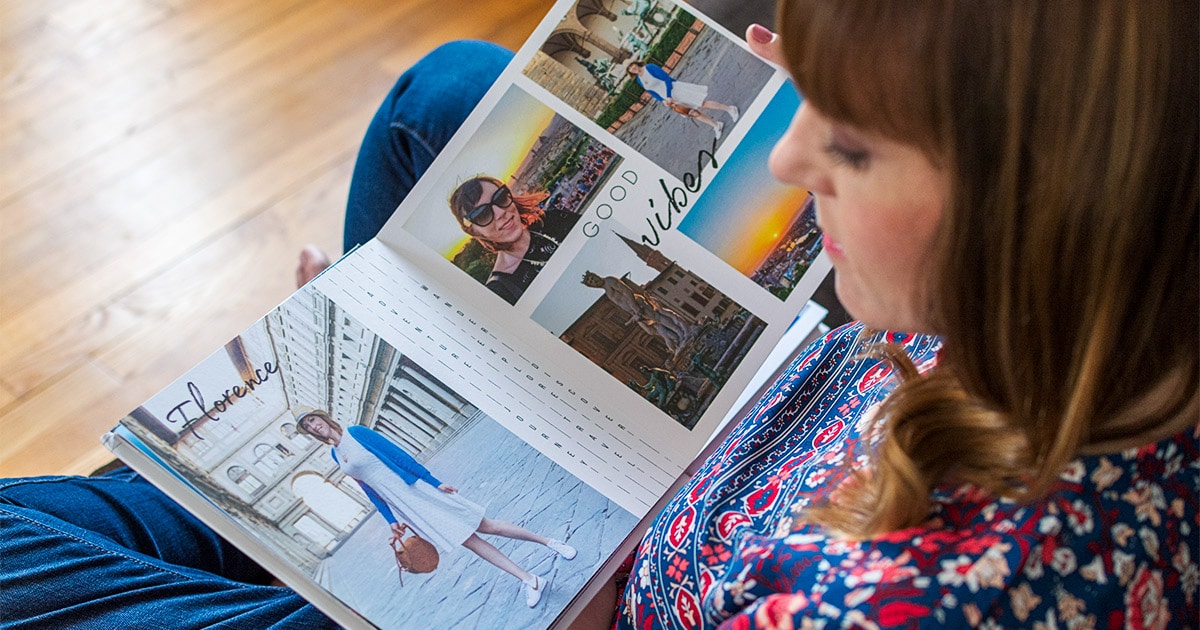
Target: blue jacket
{"x":396,"y":459}
{"x":658,"y":82}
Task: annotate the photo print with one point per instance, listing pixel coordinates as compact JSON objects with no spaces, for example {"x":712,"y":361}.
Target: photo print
{"x":763,"y":228}
{"x":658,"y":328}
{"x":513,"y":194}
{"x":651,"y":73}
{"x":314,"y":434}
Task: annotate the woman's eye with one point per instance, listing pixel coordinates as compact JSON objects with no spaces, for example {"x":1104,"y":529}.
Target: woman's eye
{"x":856,"y":159}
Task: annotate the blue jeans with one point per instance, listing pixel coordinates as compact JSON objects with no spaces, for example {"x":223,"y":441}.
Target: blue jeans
{"x":112,"y":551}
{"x":417,"y":118}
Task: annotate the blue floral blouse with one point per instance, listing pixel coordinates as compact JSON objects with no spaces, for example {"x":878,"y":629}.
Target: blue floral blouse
{"x":1115,"y":544}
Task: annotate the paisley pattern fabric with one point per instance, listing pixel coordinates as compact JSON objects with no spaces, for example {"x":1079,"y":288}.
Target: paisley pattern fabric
{"x":1115,"y":544}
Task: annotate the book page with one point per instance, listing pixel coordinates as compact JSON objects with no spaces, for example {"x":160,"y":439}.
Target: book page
{"x":231,"y":431}
{"x":555,"y":342}
{"x":566,"y":418}
{"x":657,"y":261}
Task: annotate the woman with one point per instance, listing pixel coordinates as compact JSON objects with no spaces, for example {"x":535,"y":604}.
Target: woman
{"x":1068,"y":339}
{"x":1020,"y":179}
{"x":686,"y":98}
{"x":397,"y":484}
{"x":521,"y":234}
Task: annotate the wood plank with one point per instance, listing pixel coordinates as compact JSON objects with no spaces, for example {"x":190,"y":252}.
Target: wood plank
{"x":188,"y":36}
{"x":166,"y":56}
{"x":103,"y":244}
{"x":122,"y":107}
{"x":33,"y":350}
{"x":126,"y":192}
{"x":177,"y":319}
{"x":254,"y":264}
{"x":7,"y":397}
{"x":31,"y":50}
{"x":38,"y":441}
{"x":165,"y":160}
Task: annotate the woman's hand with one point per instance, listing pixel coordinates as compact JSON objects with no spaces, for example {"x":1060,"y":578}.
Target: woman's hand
{"x":668,"y":101}
{"x":398,"y":530}
{"x":448,"y":489}
{"x":765,"y":44}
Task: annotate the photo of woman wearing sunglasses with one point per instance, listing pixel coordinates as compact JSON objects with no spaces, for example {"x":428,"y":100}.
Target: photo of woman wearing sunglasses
{"x":515,"y":227}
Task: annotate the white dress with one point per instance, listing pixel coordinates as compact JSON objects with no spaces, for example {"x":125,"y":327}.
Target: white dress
{"x":690,"y":94}
{"x":446,"y":520}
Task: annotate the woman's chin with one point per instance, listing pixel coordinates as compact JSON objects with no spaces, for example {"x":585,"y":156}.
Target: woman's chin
{"x":875,"y":311}
{"x":513,"y":243}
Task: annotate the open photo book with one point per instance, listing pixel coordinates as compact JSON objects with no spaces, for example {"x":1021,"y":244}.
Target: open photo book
{"x":545,"y":396}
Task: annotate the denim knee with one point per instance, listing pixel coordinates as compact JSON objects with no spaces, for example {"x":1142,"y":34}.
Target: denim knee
{"x":123,"y":508}
{"x":420,"y":114}
{"x":56,"y":575}
{"x":437,"y":94}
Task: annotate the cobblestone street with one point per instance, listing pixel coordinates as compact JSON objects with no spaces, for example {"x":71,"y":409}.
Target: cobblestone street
{"x":733,"y":77}
{"x":495,"y":469}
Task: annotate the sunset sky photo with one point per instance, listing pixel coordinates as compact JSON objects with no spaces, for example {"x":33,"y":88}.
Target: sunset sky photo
{"x":745,"y":212}
{"x":497,"y":149}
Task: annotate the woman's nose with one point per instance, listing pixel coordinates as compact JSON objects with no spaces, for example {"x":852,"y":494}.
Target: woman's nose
{"x":796,"y":158}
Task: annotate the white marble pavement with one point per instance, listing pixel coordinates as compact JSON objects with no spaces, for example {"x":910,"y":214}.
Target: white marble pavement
{"x":515,"y":483}
{"x":733,"y":76}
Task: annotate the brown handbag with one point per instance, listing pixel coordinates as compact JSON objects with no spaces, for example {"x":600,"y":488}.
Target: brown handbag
{"x":684,"y":110}
{"x":414,"y":554}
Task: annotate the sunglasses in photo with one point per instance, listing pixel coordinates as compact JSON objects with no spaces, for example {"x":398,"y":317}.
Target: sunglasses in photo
{"x":483,"y":214}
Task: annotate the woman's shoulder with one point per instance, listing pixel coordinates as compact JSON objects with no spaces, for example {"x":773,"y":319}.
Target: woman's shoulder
{"x":1114,"y":542}
{"x":504,"y":285}
{"x":805,"y":425}
{"x":1147,"y":488}
{"x":657,"y":71}
{"x":1150,"y":487}
{"x":1118,"y":541}
{"x":836,"y":362}
{"x":556,"y":223}
{"x":364,"y":436}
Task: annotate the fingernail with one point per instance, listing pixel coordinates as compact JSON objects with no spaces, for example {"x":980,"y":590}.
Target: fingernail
{"x":761,"y":34}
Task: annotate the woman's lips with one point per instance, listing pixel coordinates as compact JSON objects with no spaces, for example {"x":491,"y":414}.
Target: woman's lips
{"x":832,"y":247}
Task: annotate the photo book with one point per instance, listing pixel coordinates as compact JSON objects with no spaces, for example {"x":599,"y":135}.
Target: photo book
{"x":591,"y":280}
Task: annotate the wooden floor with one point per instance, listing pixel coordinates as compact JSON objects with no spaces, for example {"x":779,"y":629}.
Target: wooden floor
{"x":161,"y":164}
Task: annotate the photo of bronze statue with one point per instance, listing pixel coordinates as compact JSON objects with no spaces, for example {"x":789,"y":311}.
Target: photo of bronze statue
{"x":660,"y":329}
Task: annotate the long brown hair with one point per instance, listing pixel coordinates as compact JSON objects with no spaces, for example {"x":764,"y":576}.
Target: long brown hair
{"x":462,"y":200}
{"x":1065,"y":270}
{"x":322,"y":415}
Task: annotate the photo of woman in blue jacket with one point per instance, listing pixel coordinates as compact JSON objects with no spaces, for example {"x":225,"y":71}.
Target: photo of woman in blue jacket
{"x":404,"y":490}
{"x":685,"y":98}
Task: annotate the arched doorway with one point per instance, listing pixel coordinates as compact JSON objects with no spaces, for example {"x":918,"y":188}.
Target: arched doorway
{"x":327,"y":501}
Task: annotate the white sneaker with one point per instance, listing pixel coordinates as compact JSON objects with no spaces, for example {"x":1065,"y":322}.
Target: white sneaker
{"x":718,"y":129}
{"x":734,"y":113}
{"x":561,"y":548}
{"x":533,"y":593}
